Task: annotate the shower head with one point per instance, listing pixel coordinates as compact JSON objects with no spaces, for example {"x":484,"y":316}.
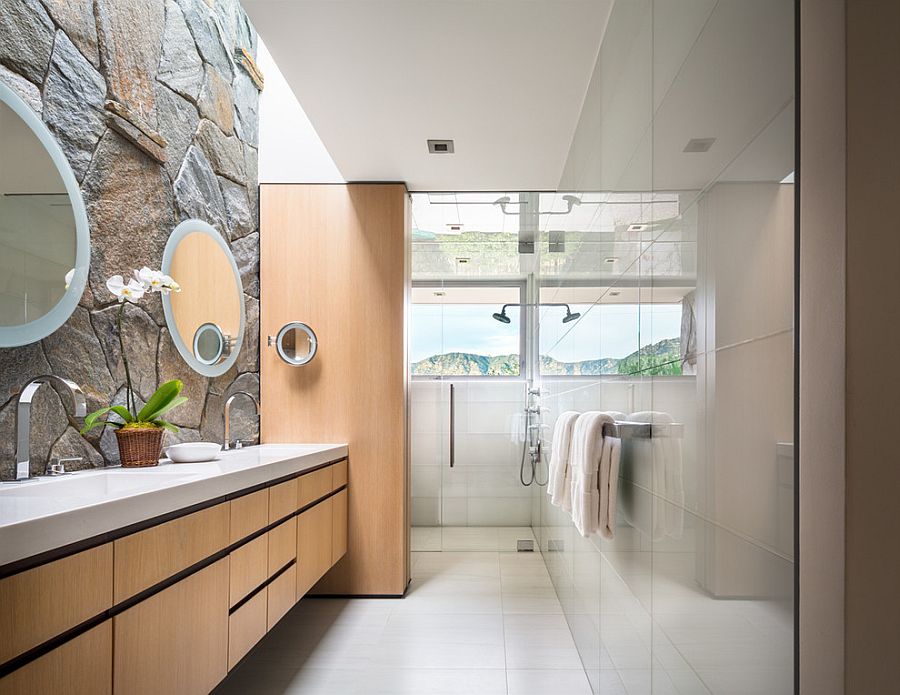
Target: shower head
{"x":502,"y":317}
{"x":570,"y":316}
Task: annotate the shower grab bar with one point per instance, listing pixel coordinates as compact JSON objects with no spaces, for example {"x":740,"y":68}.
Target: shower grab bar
{"x":642,"y":430}
{"x":452,"y":425}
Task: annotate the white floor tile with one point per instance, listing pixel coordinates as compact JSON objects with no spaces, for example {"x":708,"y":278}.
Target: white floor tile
{"x":547,"y":682}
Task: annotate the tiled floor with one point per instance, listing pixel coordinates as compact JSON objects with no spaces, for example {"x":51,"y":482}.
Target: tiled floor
{"x":483,"y":622}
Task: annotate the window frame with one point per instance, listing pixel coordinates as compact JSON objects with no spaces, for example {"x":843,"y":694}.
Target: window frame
{"x":521,"y":285}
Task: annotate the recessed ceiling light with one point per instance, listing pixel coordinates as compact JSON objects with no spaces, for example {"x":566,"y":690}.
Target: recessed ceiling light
{"x":640,"y":227}
{"x":699,"y":145}
{"x":440,"y":146}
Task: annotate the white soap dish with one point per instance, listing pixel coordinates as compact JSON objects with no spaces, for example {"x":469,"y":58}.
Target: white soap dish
{"x":193,"y":452}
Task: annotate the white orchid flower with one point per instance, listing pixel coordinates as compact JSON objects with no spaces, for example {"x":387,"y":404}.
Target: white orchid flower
{"x":132,"y":291}
{"x":156,"y":280}
{"x":69,"y":277}
{"x":169,"y":285}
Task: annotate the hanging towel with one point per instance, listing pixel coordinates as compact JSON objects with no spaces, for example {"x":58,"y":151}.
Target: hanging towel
{"x":609,"y":485}
{"x":667,"y":479}
{"x":559,"y":457}
{"x":587,"y":447}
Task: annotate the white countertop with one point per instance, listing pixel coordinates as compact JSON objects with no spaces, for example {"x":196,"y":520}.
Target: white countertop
{"x":49,"y":513}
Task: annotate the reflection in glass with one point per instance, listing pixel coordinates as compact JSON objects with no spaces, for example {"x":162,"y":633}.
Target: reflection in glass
{"x":37,"y":225}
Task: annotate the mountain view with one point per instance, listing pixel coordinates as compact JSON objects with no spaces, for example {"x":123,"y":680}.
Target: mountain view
{"x":659,"y":359}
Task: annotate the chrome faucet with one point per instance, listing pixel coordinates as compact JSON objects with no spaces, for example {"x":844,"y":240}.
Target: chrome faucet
{"x":23,"y":417}
{"x":237,"y":443}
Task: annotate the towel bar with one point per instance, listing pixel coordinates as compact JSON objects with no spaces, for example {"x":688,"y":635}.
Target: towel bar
{"x":642,"y":430}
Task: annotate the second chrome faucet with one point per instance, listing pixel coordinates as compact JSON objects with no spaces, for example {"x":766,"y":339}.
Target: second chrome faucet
{"x":237,"y":443}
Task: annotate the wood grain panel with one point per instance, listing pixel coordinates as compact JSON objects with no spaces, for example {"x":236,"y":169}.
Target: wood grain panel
{"x":147,"y":557}
{"x":313,"y":545}
{"x":249,"y":513}
{"x":82,"y":666}
{"x":246,"y":627}
{"x":283,"y":499}
{"x":315,"y":485}
{"x":48,"y":600}
{"x":336,"y":257}
{"x":175,"y":642}
{"x":249,"y":568}
{"x":282,"y":596}
{"x":339,"y":475}
{"x":339,"y":526}
{"x":282,"y":545}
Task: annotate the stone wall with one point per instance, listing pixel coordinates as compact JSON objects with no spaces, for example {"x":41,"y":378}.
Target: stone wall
{"x":155,"y":104}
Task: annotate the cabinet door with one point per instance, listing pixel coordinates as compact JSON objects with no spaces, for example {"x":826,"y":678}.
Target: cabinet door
{"x":281,"y":592}
{"x":248,"y":568}
{"x":82,"y":666}
{"x":339,"y":526}
{"x":246,"y":627}
{"x":175,"y":642}
{"x":313,"y":545}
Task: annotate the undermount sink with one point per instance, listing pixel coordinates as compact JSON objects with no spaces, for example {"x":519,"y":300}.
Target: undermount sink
{"x":110,"y":481}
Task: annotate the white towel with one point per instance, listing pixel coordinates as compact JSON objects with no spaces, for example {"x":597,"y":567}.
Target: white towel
{"x":559,"y":458}
{"x":587,"y":447}
{"x":609,"y":485}
{"x":667,"y":479}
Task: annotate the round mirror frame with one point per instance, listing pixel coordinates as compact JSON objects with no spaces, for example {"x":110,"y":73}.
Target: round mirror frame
{"x":313,"y":343}
{"x":41,"y":327}
{"x":186,"y":351}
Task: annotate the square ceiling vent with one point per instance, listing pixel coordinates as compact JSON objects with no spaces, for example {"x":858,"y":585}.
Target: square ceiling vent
{"x":440,"y":146}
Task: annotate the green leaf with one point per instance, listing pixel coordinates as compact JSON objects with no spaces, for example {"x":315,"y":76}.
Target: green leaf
{"x":93,"y":420}
{"x":122,"y":412}
{"x":166,"y":408}
{"x":165,"y":425}
{"x":164,"y":395}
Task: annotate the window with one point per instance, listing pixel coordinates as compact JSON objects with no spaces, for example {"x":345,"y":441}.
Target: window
{"x":453,"y":331}
{"x":612,"y":339}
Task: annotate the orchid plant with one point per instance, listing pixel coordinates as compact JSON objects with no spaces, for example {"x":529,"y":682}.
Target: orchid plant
{"x":167,"y":396}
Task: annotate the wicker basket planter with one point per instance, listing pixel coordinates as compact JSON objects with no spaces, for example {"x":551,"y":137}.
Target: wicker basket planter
{"x":139,"y":448}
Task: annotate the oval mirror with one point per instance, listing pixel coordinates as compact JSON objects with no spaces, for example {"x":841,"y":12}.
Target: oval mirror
{"x":296,"y":344}
{"x":206,"y":319}
{"x":45,"y":245}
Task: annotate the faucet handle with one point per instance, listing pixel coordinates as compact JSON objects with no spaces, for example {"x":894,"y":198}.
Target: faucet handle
{"x":58,"y":466}
{"x":238,"y":444}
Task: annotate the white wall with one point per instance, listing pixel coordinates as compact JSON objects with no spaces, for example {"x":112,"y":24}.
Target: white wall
{"x":290,"y":150}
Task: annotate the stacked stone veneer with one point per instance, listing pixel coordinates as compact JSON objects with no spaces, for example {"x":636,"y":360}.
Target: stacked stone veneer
{"x":170,"y":65}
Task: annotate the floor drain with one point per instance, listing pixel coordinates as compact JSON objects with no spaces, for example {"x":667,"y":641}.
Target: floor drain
{"x":525,"y":546}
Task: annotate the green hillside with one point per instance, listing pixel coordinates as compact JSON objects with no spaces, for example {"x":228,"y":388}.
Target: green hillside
{"x":658,"y":359}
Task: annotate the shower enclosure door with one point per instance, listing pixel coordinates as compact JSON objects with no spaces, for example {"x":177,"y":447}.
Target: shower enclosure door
{"x":468,"y":391}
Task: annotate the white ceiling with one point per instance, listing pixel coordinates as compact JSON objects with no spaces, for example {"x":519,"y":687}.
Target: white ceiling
{"x":504,"y":79}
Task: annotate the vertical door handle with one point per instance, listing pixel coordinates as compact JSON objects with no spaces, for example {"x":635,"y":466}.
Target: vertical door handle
{"x":452,"y":426}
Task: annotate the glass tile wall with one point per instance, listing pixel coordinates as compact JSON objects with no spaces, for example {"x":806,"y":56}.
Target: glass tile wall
{"x":683,"y":160}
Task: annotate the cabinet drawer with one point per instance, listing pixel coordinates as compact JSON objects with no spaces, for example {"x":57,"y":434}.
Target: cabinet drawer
{"x":282,"y":545}
{"x":281,"y":596}
{"x":44,"y":602}
{"x":283,"y":499}
{"x":313,"y":545}
{"x":147,"y":557}
{"x":177,"y":640}
{"x":249,"y":568}
{"x":82,"y":666}
{"x":249,"y":513}
{"x":246,"y":627}
{"x":339,"y":526}
{"x":315,"y":485}
{"x":338,"y":475}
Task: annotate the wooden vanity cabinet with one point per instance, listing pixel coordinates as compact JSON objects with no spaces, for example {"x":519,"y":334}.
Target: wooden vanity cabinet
{"x":176,"y":641}
{"x":314,"y":540}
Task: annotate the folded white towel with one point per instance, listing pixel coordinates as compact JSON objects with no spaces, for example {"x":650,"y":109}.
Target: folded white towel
{"x":609,"y":485}
{"x":667,"y":479}
{"x":559,"y":457}
{"x":587,"y":446}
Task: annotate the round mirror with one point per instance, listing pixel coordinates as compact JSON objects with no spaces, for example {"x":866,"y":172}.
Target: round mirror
{"x":45,"y":246}
{"x":211,"y":345}
{"x":206,"y":319}
{"x":296,"y":344}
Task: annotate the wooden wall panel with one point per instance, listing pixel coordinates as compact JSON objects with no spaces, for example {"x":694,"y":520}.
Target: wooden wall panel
{"x":335,"y":257}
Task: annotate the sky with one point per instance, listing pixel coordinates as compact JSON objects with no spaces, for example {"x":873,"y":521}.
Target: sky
{"x":607,"y":330}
